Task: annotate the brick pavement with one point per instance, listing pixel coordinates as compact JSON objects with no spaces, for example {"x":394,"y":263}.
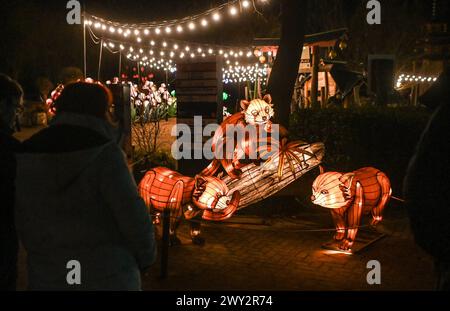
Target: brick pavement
{"x":283,"y":257}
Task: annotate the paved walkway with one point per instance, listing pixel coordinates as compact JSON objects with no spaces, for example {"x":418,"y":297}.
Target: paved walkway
{"x":284,"y":257}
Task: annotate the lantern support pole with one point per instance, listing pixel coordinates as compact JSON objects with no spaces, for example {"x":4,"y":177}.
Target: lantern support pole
{"x":84,"y":42}
{"x":100,"y":60}
{"x":120,"y":65}
{"x":165,"y":243}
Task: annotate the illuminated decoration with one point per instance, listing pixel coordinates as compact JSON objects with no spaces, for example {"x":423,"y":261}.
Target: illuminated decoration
{"x":53,"y":97}
{"x":189,"y":23}
{"x":225,"y":96}
{"x":215,"y":196}
{"x":414,"y":79}
{"x":175,"y":49}
{"x":280,"y":166}
{"x":250,"y":73}
{"x":349,"y":196}
{"x":207,"y":197}
{"x":256,"y":113}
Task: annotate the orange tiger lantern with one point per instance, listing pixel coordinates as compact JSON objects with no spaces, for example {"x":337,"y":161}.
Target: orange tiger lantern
{"x":350,"y":195}
{"x":163,"y":188}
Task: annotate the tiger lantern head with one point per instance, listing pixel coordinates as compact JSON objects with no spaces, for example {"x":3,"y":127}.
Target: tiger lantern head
{"x":258,"y":111}
{"x":333,"y":190}
{"x":212,"y":193}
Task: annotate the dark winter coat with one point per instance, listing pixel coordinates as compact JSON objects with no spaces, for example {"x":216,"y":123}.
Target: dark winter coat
{"x":8,"y":238}
{"x":76,"y":200}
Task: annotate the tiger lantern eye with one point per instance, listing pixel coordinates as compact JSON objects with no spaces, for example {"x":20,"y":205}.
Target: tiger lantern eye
{"x":255,"y":113}
{"x":324,"y":192}
{"x":267,"y":110}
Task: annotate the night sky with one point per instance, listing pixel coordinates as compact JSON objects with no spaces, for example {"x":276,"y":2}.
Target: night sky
{"x":37,"y":41}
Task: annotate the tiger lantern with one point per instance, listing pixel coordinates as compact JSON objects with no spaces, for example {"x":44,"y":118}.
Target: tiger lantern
{"x":189,"y":197}
{"x":349,"y":196}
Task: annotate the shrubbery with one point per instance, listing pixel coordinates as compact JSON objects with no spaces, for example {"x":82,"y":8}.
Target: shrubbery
{"x":381,"y":137}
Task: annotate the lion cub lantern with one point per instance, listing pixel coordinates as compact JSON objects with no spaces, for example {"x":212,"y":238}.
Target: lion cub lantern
{"x":350,"y":195}
{"x":189,"y":197}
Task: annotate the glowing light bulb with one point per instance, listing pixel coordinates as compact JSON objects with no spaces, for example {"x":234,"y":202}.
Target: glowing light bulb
{"x":216,"y":17}
{"x":233,"y":11}
{"x":204,"y":22}
{"x":191,"y":26}
{"x":181,"y":55}
{"x":187,"y":48}
{"x":151,"y":52}
{"x":122,"y":47}
{"x":175,"y":46}
{"x":192,"y":55}
{"x":97,"y":25}
{"x":199,"y":50}
{"x":179,"y":28}
{"x":152,"y":42}
{"x":168,"y":30}
{"x":164,"y":44}
{"x":210,"y":51}
{"x":120,"y":30}
{"x":136,"y":32}
{"x":245,"y":3}
{"x":157,"y":31}
{"x":112,"y":29}
{"x":138,"y":39}
{"x":146,"y":32}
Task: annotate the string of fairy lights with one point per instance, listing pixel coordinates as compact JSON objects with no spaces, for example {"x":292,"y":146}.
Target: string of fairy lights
{"x":177,"y":26}
{"x":149,"y":44}
{"x":249,"y":73}
{"x":414,"y":78}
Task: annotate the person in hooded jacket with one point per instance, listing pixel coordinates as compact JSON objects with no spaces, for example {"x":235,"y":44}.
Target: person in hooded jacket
{"x":78,"y":211}
{"x":10,"y":103}
{"x":427,"y":182}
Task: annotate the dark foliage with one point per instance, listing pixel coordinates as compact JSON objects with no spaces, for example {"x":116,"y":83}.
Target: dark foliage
{"x":384,"y":138}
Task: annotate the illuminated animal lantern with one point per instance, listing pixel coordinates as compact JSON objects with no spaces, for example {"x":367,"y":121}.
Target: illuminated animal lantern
{"x":256,"y":113}
{"x":349,"y":196}
{"x":209,"y":197}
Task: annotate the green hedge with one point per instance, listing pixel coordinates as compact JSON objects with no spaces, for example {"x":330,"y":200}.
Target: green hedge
{"x":384,"y":138}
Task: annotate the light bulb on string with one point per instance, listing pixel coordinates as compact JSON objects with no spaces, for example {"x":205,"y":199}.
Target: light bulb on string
{"x":179,"y":28}
{"x":191,"y":26}
{"x":233,"y":11}
{"x":168,"y":30}
{"x":204,"y":22}
{"x":216,"y":17}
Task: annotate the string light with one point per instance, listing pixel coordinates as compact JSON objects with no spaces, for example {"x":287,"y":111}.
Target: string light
{"x":413,"y":78}
{"x":214,"y":14}
{"x":250,"y":73}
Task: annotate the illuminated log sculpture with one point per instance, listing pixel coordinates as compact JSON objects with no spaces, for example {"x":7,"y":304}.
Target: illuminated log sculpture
{"x":349,"y":196}
{"x":207,"y":197}
{"x":260,"y":181}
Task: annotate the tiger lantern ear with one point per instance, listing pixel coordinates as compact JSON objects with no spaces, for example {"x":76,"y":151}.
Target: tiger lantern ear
{"x":347,"y":180}
{"x":268,"y":99}
{"x":244,"y":104}
{"x":199,"y":181}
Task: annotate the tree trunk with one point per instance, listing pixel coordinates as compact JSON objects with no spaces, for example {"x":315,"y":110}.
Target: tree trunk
{"x":285,"y":70}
